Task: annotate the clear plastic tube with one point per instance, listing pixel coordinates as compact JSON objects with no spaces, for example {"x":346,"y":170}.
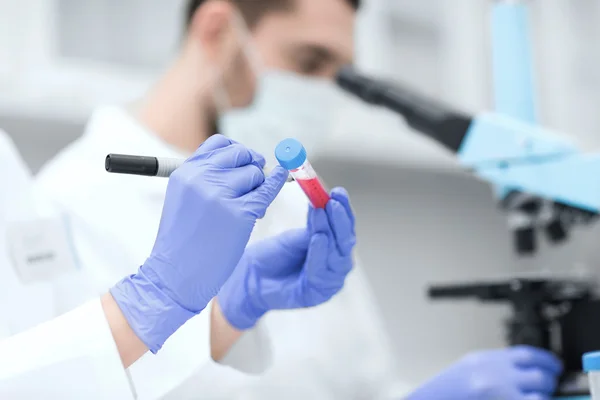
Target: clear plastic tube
{"x":311,"y":185}
{"x":292,"y":156}
{"x":594,"y":377}
{"x":591,"y":365}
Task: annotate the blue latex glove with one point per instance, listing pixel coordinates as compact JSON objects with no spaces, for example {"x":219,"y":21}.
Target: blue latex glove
{"x":518,"y":373}
{"x":211,"y":206}
{"x":297,"y":269}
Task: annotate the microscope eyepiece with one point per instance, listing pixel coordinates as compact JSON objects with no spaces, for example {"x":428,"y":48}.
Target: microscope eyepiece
{"x":431,"y":118}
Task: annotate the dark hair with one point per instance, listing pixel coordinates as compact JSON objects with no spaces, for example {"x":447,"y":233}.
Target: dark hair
{"x":253,"y":10}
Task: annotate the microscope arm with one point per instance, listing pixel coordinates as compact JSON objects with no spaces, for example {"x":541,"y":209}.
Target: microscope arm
{"x":502,"y":150}
{"x":570,"y":180}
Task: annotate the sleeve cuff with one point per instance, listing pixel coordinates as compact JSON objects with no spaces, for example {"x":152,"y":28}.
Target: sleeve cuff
{"x":253,"y":353}
{"x":77,"y":347}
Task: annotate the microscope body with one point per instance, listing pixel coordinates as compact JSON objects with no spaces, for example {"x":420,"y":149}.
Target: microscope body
{"x":544,"y":182}
{"x":556,"y":315}
{"x":542,"y":178}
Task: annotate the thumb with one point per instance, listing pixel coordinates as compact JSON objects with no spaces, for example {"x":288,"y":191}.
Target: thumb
{"x":261,"y":198}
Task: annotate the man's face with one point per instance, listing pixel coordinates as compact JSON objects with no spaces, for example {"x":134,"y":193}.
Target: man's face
{"x":315,"y":39}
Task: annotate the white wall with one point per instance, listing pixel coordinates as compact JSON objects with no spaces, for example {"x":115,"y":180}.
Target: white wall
{"x":59,"y":59}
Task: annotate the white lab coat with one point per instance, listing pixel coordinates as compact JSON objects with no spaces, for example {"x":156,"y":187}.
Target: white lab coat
{"x":71,"y":357}
{"x":335,"y":351}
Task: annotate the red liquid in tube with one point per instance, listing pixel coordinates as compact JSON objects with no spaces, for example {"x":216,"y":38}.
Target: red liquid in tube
{"x":314,"y":190}
{"x":291,"y":155}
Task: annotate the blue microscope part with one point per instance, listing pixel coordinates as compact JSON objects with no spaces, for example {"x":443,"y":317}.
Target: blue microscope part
{"x":509,"y":153}
{"x":493,"y":140}
{"x":571,"y":180}
{"x":512,"y":61}
{"x":512,"y":65}
{"x":513,"y":155}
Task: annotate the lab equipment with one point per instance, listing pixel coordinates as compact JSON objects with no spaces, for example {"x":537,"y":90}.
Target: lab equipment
{"x":514,"y":96}
{"x":297,"y":269}
{"x":504,"y":151}
{"x":161,"y":167}
{"x":173,"y":285}
{"x":512,"y":60}
{"x":291,"y":155}
{"x":552,"y":314}
{"x":512,"y":373}
{"x":591,"y":365}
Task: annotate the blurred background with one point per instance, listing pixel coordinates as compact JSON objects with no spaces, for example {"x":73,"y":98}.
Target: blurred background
{"x":420,"y":219}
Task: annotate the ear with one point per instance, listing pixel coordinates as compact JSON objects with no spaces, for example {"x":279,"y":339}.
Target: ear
{"x":211,"y":26}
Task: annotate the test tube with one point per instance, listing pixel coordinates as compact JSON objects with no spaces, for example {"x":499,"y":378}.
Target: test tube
{"x":291,"y":155}
{"x":591,"y":365}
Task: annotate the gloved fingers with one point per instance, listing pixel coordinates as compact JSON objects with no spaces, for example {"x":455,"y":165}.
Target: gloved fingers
{"x":309,"y":219}
{"x":232,"y":156}
{"x":330,"y":274}
{"x":535,"y":396}
{"x":245,"y":179}
{"x":319,"y":295}
{"x":213,"y":143}
{"x":341,"y":195}
{"x":336,"y":265}
{"x":316,"y":259}
{"x":536,"y":380}
{"x":259,"y":160}
{"x":261,"y":198}
{"x":318,"y":221}
{"x":341,"y":224}
{"x":293,"y":243}
{"x":339,"y":266}
{"x":282,"y":255}
{"x":528,"y":356}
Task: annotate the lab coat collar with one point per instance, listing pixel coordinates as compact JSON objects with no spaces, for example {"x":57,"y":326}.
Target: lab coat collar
{"x":115,"y":126}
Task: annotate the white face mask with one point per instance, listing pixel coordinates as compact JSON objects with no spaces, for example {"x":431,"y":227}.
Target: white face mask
{"x":286,"y":105}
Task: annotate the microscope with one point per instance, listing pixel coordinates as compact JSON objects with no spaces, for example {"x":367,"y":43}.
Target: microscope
{"x":544,"y":183}
{"x":557,"y":315}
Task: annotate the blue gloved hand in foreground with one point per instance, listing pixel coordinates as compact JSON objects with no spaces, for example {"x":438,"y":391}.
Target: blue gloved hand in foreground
{"x":211,"y":206}
{"x":518,"y":373}
{"x":297,"y":269}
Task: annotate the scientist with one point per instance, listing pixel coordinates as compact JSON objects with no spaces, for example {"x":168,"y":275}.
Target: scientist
{"x":261,"y":332}
{"x":82,"y":353}
{"x":287,"y":53}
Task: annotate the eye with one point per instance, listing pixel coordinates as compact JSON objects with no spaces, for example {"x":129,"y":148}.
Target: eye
{"x":311,"y":65}
{"x":313,"y":60}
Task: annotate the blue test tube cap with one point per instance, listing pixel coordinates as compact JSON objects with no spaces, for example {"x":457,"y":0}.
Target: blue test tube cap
{"x":290,"y":154}
{"x":591,"y":361}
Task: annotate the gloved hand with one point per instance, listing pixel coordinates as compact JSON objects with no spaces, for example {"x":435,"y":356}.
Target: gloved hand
{"x":297,"y":269}
{"x":212,"y":203}
{"x":518,"y":373}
